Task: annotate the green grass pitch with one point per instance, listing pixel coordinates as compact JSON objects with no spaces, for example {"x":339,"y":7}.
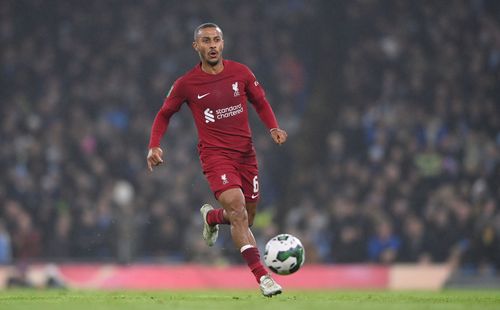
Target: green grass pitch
{"x":242,"y":300}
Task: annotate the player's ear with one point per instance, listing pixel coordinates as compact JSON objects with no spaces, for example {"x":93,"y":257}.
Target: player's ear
{"x":195,"y":46}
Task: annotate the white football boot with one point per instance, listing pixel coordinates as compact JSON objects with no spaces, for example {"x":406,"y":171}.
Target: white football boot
{"x":269,"y":287}
{"x":210,"y":233}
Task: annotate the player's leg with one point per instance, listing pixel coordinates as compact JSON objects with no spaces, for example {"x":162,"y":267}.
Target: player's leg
{"x":238,"y":213}
{"x":224,"y":171}
{"x":250,"y":187}
{"x":212,"y":217}
{"x":267,"y":285}
{"x":251,"y":211}
{"x":210,"y":227}
{"x":221,"y":175}
{"x":215,"y":216}
{"x":235,"y":212}
{"x":233,"y":203}
{"x":237,"y":209}
{"x":246,"y":178}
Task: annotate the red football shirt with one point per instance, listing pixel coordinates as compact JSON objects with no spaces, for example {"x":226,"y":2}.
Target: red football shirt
{"x":219,"y":107}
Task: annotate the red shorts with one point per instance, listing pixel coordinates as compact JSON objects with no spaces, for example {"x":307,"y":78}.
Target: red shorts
{"x":228,"y":170}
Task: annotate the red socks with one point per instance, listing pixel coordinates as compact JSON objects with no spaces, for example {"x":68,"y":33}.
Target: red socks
{"x":216,"y":216}
{"x":252,"y":258}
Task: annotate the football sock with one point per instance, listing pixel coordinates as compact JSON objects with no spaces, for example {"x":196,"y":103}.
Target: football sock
{"x":252,"y":258}
{"x":216,"y":216}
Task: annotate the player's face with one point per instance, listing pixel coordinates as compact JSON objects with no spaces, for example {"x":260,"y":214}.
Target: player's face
{"x":209,"y":45}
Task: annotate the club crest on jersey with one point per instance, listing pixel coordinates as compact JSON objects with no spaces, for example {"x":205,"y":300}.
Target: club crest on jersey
{"x":235,"y":89}
{"x":224,"y":179}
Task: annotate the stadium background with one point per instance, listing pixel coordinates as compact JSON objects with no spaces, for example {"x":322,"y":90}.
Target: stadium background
{"x":392,"y":110}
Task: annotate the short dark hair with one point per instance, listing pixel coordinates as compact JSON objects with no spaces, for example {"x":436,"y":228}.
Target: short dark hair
{"x":205,"y":25}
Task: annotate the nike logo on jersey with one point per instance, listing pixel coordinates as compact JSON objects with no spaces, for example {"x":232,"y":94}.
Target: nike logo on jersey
{"x":204,"y":95}
{"x":254,"y":196}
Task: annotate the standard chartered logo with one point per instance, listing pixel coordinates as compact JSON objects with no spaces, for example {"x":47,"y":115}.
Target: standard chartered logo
{"x":222,"y":113}
{"x":209,"y":116}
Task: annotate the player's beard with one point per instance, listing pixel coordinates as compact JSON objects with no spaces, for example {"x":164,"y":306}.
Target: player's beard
{"x":213,"y":63}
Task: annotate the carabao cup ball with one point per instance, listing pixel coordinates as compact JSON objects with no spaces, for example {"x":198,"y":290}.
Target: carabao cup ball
{"x":284,"y":254}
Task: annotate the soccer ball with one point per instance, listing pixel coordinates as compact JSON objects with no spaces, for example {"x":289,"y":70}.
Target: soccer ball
{"x":284,"y":254}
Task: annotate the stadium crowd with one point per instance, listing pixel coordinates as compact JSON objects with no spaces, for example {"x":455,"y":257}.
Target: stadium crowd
{"x":392,"y":110}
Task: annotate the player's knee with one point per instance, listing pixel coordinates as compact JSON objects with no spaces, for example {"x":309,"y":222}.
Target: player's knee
{"x":234,"y":205}
{"x":237,"y":215}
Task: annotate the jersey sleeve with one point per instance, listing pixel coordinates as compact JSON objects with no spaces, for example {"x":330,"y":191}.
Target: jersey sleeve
{"x":172,"y":103}
{"x":257,"y":97}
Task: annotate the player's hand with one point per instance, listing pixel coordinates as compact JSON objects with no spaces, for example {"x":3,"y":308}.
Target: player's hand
{"x":279,"y":135}
{"x":154,"y":157}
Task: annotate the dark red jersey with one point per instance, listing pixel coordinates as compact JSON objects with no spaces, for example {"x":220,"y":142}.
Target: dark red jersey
{"x":219,"y":107}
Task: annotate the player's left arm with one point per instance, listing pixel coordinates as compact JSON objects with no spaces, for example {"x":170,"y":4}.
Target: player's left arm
{"x":267,"y":116}
{"x":257,"y":97}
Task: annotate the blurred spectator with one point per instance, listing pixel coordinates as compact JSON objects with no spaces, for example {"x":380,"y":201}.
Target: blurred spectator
{"x":485,"y":247}
{"x":5,"y":246}
{"x":59,"y":246}
{"x":414,"y":241}
{"x":350,"y":246}
{"x":26,"y":238}
{"x":93,"y":237}
{"x":383,"y":247}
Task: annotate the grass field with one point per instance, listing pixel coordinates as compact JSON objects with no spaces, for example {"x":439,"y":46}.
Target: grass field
{"x":242,"y":300}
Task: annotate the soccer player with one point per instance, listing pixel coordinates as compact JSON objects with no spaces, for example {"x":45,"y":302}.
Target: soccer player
{"x":216,"y":91}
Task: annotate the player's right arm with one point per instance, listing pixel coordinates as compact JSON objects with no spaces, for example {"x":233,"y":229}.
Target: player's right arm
{"x":171,"y":105}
